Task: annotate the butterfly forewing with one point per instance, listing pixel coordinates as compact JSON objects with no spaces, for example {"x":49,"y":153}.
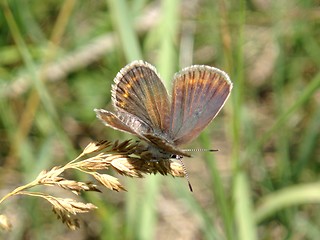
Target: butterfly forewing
{"x":139,"y":91}
{"x":199,"y":92}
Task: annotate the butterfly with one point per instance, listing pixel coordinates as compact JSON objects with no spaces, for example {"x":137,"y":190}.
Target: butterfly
{"x":144,"y":108}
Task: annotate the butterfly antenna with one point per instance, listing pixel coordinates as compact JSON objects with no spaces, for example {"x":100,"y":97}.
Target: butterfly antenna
{"x":200,"y":150}
{"x":185,"y":173}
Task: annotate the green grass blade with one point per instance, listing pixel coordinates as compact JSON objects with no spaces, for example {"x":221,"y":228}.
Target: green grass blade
{"x":247,"y":229}
{"x":287,"y":197}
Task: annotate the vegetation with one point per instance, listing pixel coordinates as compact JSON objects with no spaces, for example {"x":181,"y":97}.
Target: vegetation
{"x":57,"y":63}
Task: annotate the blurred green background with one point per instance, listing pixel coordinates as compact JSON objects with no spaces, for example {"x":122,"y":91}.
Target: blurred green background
{"x":57,"y":63}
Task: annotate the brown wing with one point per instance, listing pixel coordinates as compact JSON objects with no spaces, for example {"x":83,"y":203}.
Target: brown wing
{"x":139,"y":91}
{"x":111,"y":120}
{"x":199,"y":92}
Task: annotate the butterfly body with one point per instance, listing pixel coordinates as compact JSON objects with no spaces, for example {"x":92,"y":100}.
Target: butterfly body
{"x":143,"y":107}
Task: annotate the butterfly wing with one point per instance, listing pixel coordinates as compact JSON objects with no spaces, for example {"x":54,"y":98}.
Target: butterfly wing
{"x":139,"y":91}
{"x":142,"y":106}
{"x":130,"y":123}
{"x":125,"y":124}
{"x":199,"y":92}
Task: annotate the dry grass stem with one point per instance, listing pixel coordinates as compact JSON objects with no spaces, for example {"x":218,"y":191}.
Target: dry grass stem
{"x":74,"y":186}
{"x":108,"y":181}
{"x":127,"y":158}
{"x":64,"y":208}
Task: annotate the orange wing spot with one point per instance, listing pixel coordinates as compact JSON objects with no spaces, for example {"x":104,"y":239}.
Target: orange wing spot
{"x":128,"y":85}
{"x":125,"y":95}
{"x":193,"y":81}
{"x":142,"y":75}
{"x":200,"y":81}
{"x":121,"y":104}
{"x":133,"y":77}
